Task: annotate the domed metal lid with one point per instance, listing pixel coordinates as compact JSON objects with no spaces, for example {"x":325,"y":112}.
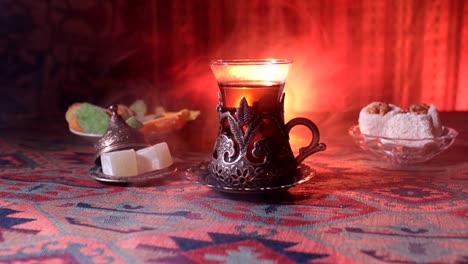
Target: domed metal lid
{"x":119,"y":136}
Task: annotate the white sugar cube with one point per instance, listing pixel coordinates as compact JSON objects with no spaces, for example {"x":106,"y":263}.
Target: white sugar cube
{"x":155,"y":157}
{"x":120,"y":163}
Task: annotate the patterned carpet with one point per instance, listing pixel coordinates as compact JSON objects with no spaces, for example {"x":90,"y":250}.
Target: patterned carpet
{"x":355,"y":210}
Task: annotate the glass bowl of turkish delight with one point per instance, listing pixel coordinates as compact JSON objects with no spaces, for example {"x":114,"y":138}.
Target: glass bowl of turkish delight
{"x":402,"y":136}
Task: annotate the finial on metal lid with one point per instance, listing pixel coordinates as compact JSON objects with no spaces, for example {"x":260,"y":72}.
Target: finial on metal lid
{"x":119,"y":136}
{"x":113,"y":109}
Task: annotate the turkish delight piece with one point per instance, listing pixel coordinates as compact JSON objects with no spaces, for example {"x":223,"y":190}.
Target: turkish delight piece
{"x":92,"y":118}
{"x":434,"y":113}
{"x":416,"y":127}
{"x":373,"y":117}
{"x":430,"y":111}
{"x":152,"y":158}
{"x":121,"y":163}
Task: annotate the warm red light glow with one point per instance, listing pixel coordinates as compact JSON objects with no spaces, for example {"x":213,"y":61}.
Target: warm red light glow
{"x":346,"y":53}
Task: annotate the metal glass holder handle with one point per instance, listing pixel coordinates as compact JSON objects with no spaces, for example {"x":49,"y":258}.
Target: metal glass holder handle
{"x":314,"y":145}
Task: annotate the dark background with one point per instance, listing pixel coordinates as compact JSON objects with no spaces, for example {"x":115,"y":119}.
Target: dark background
{"x":346,"y":53}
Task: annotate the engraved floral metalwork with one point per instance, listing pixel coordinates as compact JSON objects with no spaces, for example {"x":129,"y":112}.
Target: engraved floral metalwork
{"x":252,"y":149}
{"x":245,"y":156}
{"x":119,"y":136}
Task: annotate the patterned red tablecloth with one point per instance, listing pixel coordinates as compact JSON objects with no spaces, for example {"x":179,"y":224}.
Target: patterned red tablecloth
{"x":355,"y":210}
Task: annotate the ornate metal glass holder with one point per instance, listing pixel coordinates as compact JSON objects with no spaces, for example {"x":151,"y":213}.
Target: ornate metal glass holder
{"x":252,"y":149}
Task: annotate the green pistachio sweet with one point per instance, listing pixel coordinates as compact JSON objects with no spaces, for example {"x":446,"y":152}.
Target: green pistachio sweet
{"x":92,"y":119}
{"x":133,"y":122}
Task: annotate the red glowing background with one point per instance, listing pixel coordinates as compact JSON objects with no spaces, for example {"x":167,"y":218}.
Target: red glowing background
{"x":346,"y":53}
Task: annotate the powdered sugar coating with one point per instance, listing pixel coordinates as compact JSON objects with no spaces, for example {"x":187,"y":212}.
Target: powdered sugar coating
{"x":434,"y":114}
{"x":372,"y":123}
{"x":410,"y":126}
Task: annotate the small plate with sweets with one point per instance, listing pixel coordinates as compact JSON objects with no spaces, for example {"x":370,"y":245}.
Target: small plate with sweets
{"x":90,"y":121}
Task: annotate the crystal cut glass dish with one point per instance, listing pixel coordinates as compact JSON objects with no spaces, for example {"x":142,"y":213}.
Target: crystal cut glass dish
{"x":404,"y":151}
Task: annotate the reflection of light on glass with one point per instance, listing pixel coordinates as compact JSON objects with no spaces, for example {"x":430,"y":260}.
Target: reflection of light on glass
{"x":240,"y":70}
{"x":276,"y":73}
{"x":261,"y":82}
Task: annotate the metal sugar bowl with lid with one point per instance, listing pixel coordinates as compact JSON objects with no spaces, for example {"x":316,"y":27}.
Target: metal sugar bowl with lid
{"x":119,"y":136}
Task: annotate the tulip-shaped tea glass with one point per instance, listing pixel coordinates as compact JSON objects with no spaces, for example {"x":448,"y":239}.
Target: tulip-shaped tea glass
{"x":252,"y":149}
